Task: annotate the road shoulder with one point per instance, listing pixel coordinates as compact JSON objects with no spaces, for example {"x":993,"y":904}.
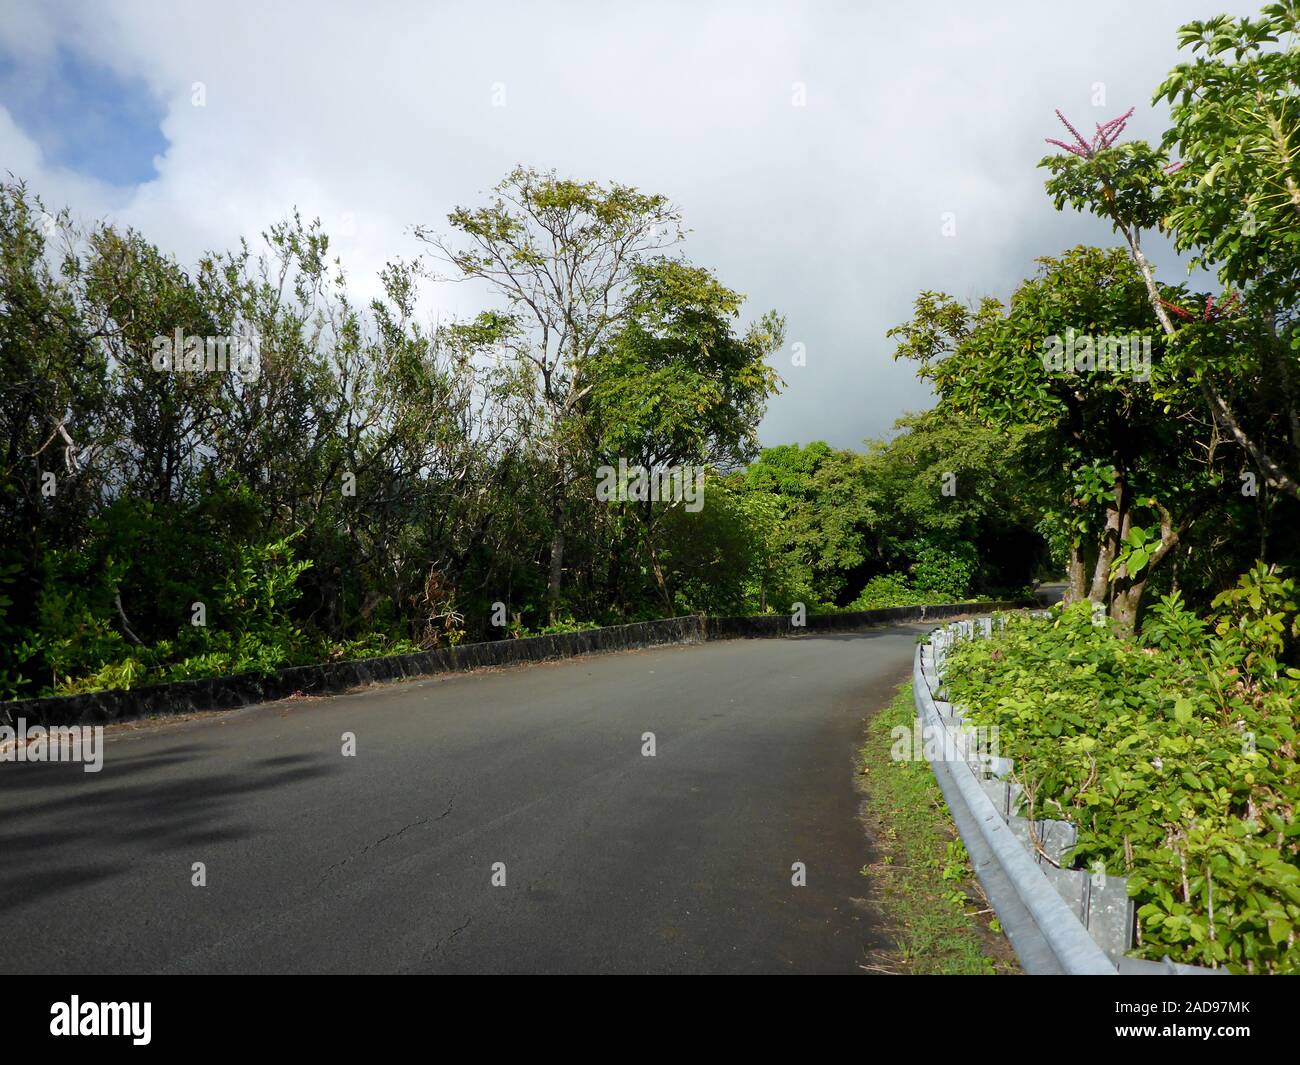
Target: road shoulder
{"x":927,"y":899}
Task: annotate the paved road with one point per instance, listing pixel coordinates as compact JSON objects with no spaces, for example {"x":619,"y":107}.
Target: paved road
{"x":383,"y":862}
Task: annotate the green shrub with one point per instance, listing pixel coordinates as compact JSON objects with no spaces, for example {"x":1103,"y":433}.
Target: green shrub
{"x":1175,"y":756}
{"x":893,"y":589}
{"x":947,"y":572}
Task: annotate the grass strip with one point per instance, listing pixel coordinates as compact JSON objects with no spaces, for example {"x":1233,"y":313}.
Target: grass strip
{"x":921,"y":877}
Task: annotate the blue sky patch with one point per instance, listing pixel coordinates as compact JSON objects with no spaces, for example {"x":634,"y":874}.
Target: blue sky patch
{"x":85,"y":117}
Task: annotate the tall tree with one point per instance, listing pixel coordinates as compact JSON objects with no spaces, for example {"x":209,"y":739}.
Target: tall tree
{"x":1233,"y":201}
{"x":561,"y":255}
{"x":676,"y":386}
{"x":1123,"y":437}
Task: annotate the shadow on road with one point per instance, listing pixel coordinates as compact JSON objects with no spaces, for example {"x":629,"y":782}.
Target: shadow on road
{"x":133,"y":818}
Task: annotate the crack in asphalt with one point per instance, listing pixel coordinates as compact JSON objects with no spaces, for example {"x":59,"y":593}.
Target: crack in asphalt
{"x":385,"y":838}
{"x":445,"y":940}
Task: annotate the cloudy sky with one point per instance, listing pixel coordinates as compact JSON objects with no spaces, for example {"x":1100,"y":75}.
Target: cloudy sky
{"x":815,"y":149}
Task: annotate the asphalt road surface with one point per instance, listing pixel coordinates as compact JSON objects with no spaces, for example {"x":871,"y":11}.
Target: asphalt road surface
{"x":384,"y":861}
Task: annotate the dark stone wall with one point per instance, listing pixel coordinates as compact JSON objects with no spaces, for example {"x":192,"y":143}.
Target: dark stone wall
{"x":226,"y":693}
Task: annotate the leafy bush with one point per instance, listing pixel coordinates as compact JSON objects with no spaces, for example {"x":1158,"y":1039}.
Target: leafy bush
{"x":14,"y":637}
{"x":371,"y":645}
{"x":889,"y":589}
{"x":74,"y":636}
{"x":1175,"y":756}
{"x":248,"y":629}
{"x":893,"y":589}
{"x":947,"y":572}
{"x":561,"y":625}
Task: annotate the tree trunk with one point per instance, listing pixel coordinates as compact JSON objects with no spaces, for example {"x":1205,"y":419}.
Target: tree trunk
{"x":1126,"y":595}
{"x":1124,"y":607}
{"x":1076,"y":575}
{"x":647,"y":518}
{"x":659,"y":580}
{"x":614,"y":573}
{"x":557,"y":564}
{"x":1109,"y":547}
{"x":1105,"y":556}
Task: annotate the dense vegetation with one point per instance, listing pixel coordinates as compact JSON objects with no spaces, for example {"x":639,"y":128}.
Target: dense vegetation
{"x":234,"y":467}
{"x":1165,"y":729}
{"x":1175,"y":755}
{"x":1165,"y":422}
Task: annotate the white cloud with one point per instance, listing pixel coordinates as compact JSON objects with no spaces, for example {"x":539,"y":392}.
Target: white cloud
{"x":381,"y":115}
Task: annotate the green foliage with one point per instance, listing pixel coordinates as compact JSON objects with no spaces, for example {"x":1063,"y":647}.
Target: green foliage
{"x":368,"y":486}
{"x":565,"y":624}
{"x":1232,"y":200}
{"x":1136,"y":548}
{"x":1257,"y":617}
{"x":1174,"y":752}
{"x":945,"y":572}
{"x":72,"y":634}
{"x":1235,"y":126}
{"x":851,"y":520}
{"x":249,"y":628}
{"x":821,"y":496}
{"x":893,"y":589}
{"x":12,"y":678}
{"x":1126,"y":183}
{"x":728,"y":558}
{"x":1174,"y":755}
{"x":1102,"y":455}
{"x":886,"y":590}
{"x":675,"y":385}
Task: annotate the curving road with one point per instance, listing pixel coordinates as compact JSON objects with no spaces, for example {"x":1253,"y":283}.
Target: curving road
{"x":383,"y":862}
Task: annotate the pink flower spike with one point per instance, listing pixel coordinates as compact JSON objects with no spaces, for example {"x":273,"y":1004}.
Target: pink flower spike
{"x":1068,"y":147}
{"x":1106,"y":134}
{"x":1077,"y":136}
{"x":1112,"y":129}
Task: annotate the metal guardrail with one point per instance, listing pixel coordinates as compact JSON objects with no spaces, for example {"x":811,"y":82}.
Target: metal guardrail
{"x":1060,"y":921}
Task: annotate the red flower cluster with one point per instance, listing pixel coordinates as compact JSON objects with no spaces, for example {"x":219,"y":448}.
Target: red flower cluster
{"x":1226,"y":309}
